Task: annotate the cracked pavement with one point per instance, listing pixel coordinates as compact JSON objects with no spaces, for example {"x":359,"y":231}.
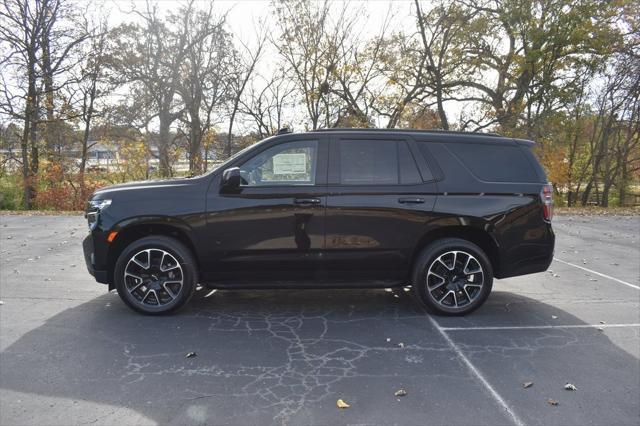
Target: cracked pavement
{"x":71,"y":353}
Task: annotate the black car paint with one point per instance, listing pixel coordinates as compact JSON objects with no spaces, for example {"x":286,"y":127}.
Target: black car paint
{"x":328,"y":234}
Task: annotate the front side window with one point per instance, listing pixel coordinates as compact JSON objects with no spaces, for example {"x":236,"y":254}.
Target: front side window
{"x":291,"y":163}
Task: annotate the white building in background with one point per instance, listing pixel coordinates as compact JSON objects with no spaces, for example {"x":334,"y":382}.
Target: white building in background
{"x":100,"y":157}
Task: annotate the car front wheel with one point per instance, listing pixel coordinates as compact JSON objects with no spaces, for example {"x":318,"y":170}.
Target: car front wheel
{"x":452,"y":276}
{"x":155,"y":275}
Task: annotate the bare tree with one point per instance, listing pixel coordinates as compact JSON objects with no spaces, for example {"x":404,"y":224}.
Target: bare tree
{"x":92,"y":86}
{"x":357,"y":75}
{"x":36,"y":54}
{"x":308,"y":44}
{"x":151,"y":55}
{"x":204,"y":86}
{"x":265,"y":105}
{"x":615,"y":133}
{"x":444,"y":41}
{"x":246,"y":65}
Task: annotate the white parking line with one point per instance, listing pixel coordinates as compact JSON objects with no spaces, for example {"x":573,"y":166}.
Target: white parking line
{"x":496,"y":396}
{"x":539,"y":327}
{"x":598,"y":273}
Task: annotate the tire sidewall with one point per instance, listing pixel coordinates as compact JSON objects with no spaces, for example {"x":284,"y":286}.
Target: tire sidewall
{"x":176,"y":249}
{"x":430,"y":254}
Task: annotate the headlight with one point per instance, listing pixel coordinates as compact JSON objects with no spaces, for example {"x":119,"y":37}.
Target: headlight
{"x":94,"y":207}
{"x":98,"y":205}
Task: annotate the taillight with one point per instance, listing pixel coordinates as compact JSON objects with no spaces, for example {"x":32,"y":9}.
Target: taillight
{"x":546,"y":196}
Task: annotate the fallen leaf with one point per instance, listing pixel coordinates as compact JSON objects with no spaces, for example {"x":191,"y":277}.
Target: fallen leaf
{"x":191,"y":355}
{"x":552,"y":402}
{"x":341,"y":404}
{"x":400,"y":392}
{"x":527,"y":385}
{"x":570,"y":387}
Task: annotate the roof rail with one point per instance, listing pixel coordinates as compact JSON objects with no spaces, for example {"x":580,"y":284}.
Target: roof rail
{"x":436,"y":131}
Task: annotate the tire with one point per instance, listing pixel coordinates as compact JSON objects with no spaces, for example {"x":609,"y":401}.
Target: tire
{"x":156,"y":275}
{"x":452,"y":276}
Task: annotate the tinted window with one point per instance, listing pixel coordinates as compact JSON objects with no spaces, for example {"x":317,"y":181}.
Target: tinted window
{"x":368,"y":162}
{"x":494,"y":163}
{"x":375,"y":162}
{"x":292,"y":163}
{"x":408,"y":170}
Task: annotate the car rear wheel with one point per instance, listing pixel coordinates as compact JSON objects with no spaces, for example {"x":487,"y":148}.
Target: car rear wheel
{"x":155,"y":275}
{"x":452,"y":276}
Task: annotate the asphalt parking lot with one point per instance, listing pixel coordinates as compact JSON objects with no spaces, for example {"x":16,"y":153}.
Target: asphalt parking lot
{"x":71,"y":353}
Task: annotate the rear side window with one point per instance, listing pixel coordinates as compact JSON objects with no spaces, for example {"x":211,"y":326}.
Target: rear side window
{"x":494,"y":163}
{"x":364,"y":162}
{"x":408,"y":170}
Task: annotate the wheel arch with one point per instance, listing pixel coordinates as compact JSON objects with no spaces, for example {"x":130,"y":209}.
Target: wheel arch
{"x":479,"y":237}
{"x":134,"y":229}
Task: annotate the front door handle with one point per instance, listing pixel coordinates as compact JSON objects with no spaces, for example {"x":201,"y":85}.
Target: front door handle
{"x":307,"y":201}
{"x":411,"y":200}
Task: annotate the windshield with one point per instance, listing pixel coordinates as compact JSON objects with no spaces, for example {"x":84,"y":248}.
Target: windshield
{"x":234,"y":156}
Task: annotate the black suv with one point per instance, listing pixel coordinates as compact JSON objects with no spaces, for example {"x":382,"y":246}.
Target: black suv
{"x":443,"y":211}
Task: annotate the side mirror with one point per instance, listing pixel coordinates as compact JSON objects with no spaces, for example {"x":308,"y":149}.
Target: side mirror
{"x":231,"y":178}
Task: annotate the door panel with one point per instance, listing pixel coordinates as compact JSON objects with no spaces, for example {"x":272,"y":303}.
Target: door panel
{"x":269,"y":229}
{"x":371,"y":230}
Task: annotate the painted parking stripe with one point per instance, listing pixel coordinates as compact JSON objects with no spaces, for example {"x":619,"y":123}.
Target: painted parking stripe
{"x":598,"y":273}
{"x":496,"y":396}
{"x":540,"y":327}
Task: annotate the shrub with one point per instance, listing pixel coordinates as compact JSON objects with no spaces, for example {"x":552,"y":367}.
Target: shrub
{"x":11,"y":192}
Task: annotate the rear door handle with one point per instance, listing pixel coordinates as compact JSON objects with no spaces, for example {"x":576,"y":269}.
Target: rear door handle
{"x":411,"y":200}
{"x":307,"y":201}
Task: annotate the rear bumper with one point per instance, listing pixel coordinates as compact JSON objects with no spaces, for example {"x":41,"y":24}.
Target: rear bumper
{"x":101,"y":276}
{"x":529,"y":257}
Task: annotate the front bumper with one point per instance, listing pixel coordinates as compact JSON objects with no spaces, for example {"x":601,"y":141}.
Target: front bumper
{"x":101,"y":276}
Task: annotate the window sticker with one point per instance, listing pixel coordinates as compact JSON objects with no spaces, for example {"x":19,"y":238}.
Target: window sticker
{"x":286,"y":164}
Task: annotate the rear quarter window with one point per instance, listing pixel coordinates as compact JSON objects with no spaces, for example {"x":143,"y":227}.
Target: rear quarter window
{"x":495,"y":163}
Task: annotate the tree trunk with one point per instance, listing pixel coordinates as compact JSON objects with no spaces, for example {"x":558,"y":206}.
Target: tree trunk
{"x":195,"y":144}
{"x":24,"y":145}
{"x":227,"y":148}
{"x":163,"y":146}
{"x":444,"y":122}
{"x":87,"y":127}
{"x":47,"y":78}
{"x":29,"y":136}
